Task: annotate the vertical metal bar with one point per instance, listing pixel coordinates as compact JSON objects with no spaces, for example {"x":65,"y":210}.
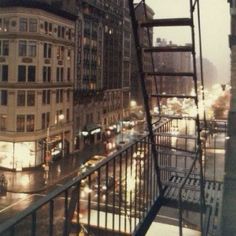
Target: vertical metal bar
{"x":51,"y":210}
{"x":89,"y":203}
{"x":120,"y":189}
{"x":113,"y":195}
{"x":106,"y":201}
{"x":66,"y":214}
{"x":78,"y":208}
{"x":126,"y":189}
{"x":33,"y":227}
{"x":98,"y":198}
{"x":135,"y":193}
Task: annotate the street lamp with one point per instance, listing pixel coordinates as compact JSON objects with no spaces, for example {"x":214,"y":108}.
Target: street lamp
{"x":61,"y":118}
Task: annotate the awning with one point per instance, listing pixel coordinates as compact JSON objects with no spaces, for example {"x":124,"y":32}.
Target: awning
{"x":91,"y":128}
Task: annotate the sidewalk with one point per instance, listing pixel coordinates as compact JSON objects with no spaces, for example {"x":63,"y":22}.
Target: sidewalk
{"x":36,"y":180}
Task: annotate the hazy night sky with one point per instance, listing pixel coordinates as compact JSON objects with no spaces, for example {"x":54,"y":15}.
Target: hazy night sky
{"x":215,"y":24}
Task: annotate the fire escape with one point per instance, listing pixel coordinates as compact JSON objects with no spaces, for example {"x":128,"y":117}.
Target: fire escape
{"x":179,"y":168}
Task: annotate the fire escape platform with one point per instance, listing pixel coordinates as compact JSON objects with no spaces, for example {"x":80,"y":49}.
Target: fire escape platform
{"x":191,"y":194}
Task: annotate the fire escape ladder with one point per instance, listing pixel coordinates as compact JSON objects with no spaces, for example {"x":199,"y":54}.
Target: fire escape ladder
{"x":176,"y":182}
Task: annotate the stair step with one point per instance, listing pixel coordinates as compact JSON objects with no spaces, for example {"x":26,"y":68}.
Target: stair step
{"x":167,"y":22}
{"x":178,"y":117}
{"x":178,"y":153}
{"x":186,"y":74}
{"x":164,"y":134}
{"x":169,"y":49}
{"x":178,"y":185}
{"x":172,"y":96}
{"x":178,"y":170}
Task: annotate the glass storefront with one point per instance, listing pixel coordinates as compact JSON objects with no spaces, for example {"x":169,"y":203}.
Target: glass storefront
{"x":19,"y":155}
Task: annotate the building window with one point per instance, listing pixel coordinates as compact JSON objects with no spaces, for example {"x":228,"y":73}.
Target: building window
{"x":60,"y":52}
{"x":4,"y":47}
{"x":46,"y":74}
{"x":30,"y":123}
{"x":47,"y":50}
{"x":46,"y":97}
{"x":27,"y":48}
{"x":60,"y":31}
{"x":3,"y":122}
{"x":68,"y":95}
{"x":68,"y":115}
{"x":3,"y":73}
{"x":26,"y":73}
{"x":59,"y":95}
{"x":3,"y":97}
{"x":20,"y":98}
{"x":45,"y":120}
{"x":68,"y":74}
{"x":30,"y":98}
{"x":23,"y":24}
{"x":23,"y":96}
{"x":25,"y":121}
{"x":20,"y":123}
{"x":4,"y":25}
{"x":33,"y":24}
{"x":60,"y":74}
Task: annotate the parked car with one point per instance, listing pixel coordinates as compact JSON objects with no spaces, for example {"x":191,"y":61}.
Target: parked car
{"x":104,"y":184}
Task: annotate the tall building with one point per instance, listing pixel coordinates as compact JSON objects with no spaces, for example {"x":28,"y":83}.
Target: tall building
{"x":103,"y":68}
{"x":173,"y":62}
{"x":36,"y":81}
{"x":136,"y":92}
{"x":228,"y":214}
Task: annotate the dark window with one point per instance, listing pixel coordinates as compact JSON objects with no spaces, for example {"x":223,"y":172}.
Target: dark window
{"x":20,"y":123}
{"x":5,"y":48}
{"x":21,"y":98}
{"x":31,"y":73}
{"x":23,"y":24}
{"x":3,"y":122}
{"x":29,"y":123}
{"x":21,"y":73}
{"x":46,"y":97}
{"x":30,"y":98}
{"x":33,"y":25}
{"x":3,"y":72}
{"x":22,"y":48}
{"x":3,"y":97}
{"x":46,"y":74}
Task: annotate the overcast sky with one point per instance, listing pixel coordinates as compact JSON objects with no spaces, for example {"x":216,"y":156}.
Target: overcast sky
{"x":215,"y":23}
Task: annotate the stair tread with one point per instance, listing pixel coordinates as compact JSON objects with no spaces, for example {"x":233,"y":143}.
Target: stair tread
{"x":172,"y":74}
{"x":172,"y":96}
{"x":177,"y":153}
{"x":169,"y":49}
{"x":176,"y":135}
{"x":167,"y":22}
{"x":177,"y":117}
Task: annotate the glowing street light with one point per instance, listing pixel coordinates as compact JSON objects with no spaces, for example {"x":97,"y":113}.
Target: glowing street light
{"x":61,"y":119}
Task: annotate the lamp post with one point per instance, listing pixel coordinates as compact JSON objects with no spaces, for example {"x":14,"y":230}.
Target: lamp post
{"x":61,"y":118}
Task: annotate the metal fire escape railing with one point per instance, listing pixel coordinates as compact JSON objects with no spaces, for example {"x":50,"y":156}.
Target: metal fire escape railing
{"x":149,"y":49}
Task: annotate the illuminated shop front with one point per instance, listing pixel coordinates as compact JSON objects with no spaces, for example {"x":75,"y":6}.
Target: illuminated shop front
{"x":19,"y":155}
{"x":91,"y":133}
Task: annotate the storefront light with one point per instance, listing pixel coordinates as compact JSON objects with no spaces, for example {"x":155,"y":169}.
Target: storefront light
{"x":85,"y":133}
{"x":96,"y":131}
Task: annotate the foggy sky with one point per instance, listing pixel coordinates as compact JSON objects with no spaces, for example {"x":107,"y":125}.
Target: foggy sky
{"x":215,"y":23}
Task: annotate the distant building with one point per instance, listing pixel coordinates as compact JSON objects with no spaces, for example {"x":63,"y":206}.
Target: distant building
{"x":136,"y":92}
{"x":173,"y":62}
{"x":209,"y":72}
{"x":103,"y":68}
{"x":36,"y":82}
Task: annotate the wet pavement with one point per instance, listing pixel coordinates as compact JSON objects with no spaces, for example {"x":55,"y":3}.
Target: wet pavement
{"x":38,"y":180}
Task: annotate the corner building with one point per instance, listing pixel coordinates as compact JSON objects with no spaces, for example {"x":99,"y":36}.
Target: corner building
{"x":36,"y":83}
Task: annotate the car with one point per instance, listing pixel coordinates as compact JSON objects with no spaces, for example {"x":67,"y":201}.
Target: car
{"x":104,"y":184}
{"x":94,"y":160}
